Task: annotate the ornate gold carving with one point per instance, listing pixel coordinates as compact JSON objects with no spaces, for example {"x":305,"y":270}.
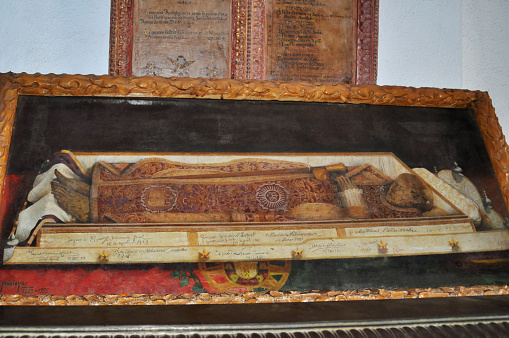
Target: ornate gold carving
{"x":494,"y":140}
{"x":297,"y":253}
{"x":382,"y":247}
{"x":104,"y":257}
{"x":255,"y":297}
{"x":240,"y":36}
{"x":92,"y":85}
{"x":8,"y":103}
{"x":202,"y":255}
{"x":455,"y":245}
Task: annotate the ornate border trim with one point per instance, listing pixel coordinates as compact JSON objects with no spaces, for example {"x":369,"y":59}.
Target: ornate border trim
{"x":96,"y":85}
{"x":367,"y":41}
{"x":494,"y":140}
{"x":239,"y":39}
{"x":255,"y":298}
{"x":12,"y":85}
{"x":121,"y":33}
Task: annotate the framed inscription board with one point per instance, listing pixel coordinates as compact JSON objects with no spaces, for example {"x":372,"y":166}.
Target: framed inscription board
{"x":330,"y":41}
{"x":172,"y":191}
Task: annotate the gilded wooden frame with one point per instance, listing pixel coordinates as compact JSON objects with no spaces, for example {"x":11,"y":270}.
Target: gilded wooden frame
{"x":13,"y":85}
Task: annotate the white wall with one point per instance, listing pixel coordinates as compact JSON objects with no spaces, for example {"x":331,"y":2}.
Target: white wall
{"x":486,"y":52}
{"x":419,"y":43}
{"x":422,"y":43}
{"x":54,"y":36}
{"x":447,"y":43}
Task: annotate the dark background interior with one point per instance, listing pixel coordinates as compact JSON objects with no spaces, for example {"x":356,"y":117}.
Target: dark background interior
{"x":420,"y":137}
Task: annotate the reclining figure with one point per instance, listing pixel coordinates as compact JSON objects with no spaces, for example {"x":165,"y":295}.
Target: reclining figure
{"x":159,"y":191}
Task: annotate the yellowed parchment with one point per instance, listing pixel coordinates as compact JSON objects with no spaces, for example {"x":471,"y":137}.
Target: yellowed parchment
{"x":182,"y":38}
{"x":310,"y":40}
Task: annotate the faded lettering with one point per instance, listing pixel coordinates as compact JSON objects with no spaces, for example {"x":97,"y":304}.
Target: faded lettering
{"x":253,"y":237}
{"x":182,"y":38}
{"x":310,"y":40}
{"x":71,"y":240}
{"x":408,"y":230}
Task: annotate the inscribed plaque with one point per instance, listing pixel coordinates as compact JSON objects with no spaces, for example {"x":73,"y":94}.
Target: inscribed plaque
{"x":311,"y":40}
{"x":182,"y":38}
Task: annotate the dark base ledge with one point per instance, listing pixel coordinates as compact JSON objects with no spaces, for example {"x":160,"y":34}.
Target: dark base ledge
{"x":462,"y":316}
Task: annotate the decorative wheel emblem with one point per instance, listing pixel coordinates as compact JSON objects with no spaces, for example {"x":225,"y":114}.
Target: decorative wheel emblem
{"x":272,"y":196}
{"x":240,"y":277}
{"x":158,"y":198}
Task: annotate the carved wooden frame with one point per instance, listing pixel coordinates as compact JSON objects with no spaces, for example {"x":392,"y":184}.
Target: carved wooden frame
{"x":121,"y":31}
{"x":332,"y":318}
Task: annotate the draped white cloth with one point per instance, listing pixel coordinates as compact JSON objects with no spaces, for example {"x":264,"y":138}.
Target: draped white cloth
{"x":44,"y":204}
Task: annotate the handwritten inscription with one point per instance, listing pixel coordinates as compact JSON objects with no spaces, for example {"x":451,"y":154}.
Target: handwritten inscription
{"x":113,"y":255}
{"x":339,"y":248}
{"x":408,"y":230}
{"x":20,"y":287}
{"x":182,"y":38}
{"x":184,"y":18}
{"x":253,"y":237}
{"x":242,"y":253}
{"x":310,"y":40}
{"x":54,"y":256}
{"x":397,"y":250}
{"x":72,"y":240}
{"x":146,"y":254}
{"x":311,"y":249}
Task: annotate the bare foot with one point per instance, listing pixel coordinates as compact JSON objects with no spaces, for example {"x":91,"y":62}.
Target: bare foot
{"x":75,"y":204}
{"x":77,"y":186}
